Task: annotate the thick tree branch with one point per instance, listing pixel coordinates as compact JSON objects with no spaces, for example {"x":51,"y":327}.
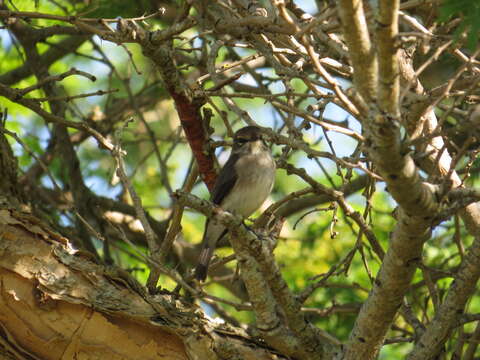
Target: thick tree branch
{"x":361,"y":51}
{"x":188,"y":108}
{"x":43,"y":277}
{"x":423,"y":121}
{"x":391,"y":284}
{"x":388,"y":73}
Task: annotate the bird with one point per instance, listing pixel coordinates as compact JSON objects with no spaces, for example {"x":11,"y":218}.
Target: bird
{"x":242,"y":186}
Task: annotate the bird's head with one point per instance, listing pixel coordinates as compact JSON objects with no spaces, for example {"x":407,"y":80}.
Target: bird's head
{"x":249,"y":139}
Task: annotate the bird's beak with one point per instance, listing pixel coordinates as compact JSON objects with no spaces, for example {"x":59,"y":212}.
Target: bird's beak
{"x":257,"y":146}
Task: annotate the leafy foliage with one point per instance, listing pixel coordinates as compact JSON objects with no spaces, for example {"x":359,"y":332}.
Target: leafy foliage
{"x":469,"y":11}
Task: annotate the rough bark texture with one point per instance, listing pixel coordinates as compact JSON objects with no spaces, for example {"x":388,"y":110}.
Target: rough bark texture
{"x":235,"y":56}
{"x":56,"y":303}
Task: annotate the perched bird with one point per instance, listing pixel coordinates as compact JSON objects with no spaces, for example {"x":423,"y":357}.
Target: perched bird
{"x":242,"y":186}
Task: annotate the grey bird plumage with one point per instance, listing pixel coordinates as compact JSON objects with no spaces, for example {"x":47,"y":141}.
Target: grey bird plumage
{"x":242,"y":186}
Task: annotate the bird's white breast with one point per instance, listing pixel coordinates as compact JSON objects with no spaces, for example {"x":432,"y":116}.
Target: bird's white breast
{"x":256,"y":174}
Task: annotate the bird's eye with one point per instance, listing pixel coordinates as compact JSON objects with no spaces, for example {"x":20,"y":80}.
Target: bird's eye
{"x":241,"y":141}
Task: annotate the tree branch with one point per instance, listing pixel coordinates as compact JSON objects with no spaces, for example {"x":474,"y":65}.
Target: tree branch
{"x":289,"y":331}
{"x":188,"y":108}
{"x":361,"y":51}
{"x":388,"y":73}
{"x":43,"y":277}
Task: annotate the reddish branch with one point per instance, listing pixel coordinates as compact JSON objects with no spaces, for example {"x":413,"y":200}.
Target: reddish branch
{"x":191,"y":120}
{"x":188,"y":108}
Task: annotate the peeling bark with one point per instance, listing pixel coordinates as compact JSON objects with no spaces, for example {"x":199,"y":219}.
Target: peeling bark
{"x":56,"y":303}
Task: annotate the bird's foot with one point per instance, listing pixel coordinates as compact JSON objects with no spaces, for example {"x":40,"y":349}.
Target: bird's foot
{"x":259,"y":233}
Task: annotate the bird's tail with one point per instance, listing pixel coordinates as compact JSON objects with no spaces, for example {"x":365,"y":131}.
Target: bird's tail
{"x":203,"y":262}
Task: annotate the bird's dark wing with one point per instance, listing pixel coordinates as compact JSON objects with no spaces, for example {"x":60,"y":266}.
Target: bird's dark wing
{"x":214,"y":232}
{"x":225,"y":181}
